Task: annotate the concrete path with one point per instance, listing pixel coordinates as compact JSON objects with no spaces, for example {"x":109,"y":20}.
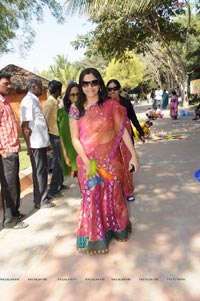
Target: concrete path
{"x":160,"y":262}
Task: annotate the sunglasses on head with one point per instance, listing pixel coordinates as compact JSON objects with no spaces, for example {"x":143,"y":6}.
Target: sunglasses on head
{"x":113,"y":89}
{"x":73,"y":94}
{"x":91,"y":83}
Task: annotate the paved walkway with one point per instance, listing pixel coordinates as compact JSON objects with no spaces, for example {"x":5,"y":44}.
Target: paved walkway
{"x":160,"y":262}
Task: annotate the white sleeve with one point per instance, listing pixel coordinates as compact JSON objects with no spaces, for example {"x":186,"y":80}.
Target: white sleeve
{"x":26,"y":110}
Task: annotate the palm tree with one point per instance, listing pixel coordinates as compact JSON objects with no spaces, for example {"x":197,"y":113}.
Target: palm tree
{"x":63,"y":70}
{"x":95,"y":6}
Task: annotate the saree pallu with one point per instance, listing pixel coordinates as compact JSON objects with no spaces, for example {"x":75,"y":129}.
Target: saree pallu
{"x":128,"y":185}
{"x":65,"y":136}
{"x":103,"y":213}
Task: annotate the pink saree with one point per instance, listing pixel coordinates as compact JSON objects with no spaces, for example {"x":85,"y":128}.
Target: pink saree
{"x":103,"y":213}
{"x":126,"y":156}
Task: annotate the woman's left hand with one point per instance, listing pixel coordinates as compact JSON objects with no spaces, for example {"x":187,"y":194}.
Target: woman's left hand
{"x":134,"y":162}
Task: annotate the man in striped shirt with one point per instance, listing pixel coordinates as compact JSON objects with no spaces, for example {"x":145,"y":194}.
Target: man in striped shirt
{"x":9,"y":160}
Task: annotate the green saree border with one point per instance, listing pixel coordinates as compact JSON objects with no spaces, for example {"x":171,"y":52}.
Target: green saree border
{"x":101,"y":246}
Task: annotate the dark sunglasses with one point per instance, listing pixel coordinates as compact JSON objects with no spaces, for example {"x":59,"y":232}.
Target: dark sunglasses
{"x":91,"y":83}
{"x":113,"y":89}
{"x":74,"y":94}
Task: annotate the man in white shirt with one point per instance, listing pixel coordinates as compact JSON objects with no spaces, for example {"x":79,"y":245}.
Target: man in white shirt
{"x":35,"y":132}
{"x":158,"y":97}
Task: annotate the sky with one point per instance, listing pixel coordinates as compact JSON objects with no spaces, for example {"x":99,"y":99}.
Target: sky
{"x":51,"y":39}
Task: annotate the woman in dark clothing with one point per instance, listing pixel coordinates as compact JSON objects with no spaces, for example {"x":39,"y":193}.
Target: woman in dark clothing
{"x":114,"y":87}
{"x":165,"y":99}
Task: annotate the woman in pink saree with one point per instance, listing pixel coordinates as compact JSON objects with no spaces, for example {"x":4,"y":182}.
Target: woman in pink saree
{"x":97,"y":126}
{"x":174,"y":106}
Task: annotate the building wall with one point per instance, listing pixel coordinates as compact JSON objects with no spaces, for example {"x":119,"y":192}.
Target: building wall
{"x":16,"y":98}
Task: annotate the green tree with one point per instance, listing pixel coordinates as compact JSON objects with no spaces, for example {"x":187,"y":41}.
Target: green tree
{"x":94,"y":61}
{"x":15,"y":21}
{"x":129,"y":71}
{"x":61,"y":70}
{"x":127,"y":25}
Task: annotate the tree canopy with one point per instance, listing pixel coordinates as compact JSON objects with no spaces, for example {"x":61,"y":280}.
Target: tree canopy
{"x":15,"y":21}
{"x":128,"y":72}
{"x":94,"y":61}
{"x":137,"y":25}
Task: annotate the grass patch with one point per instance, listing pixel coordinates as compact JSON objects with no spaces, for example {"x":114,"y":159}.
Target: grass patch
{"x":24,"y":159}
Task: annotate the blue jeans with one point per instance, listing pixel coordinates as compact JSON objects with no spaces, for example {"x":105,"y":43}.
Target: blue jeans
{"x":57,"y":173}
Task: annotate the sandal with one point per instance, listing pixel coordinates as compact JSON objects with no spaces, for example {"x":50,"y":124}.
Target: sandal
{"x":130,"y":198}
{"x":64,"y":187}
{"x":48,"y":205}
{"x":20,"y":225}
{"x":20,"y":216}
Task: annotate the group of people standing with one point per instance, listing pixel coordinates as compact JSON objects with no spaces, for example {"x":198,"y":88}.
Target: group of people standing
{"x":160,"y":100}
{"x":40,"y":130}
{"x":91,"y":132}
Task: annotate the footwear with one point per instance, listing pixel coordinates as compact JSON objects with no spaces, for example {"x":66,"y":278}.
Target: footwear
{"x":37,"y":206}
{"x":64,"y":187}
{"x":19,"y":216}
{"x":130,"y":198}
{"x":55,"y":196}
{"x":48,"y":205}
{"x":44,"y":205}
{"x":9,"y":225}
{"x":20,"y":225}
{"x":16,"y":225}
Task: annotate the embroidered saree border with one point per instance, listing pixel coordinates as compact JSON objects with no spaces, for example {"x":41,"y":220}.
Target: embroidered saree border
{"x":101,"y":246}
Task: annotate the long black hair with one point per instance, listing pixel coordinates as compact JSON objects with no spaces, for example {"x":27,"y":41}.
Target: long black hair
{"x":118,"y":85}
{"x":102,"y":89}
{"x":66,"y":101}
{"x":114,"y":81}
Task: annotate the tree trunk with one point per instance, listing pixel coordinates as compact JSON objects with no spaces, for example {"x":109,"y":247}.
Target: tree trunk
{"x":184,"y":93}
